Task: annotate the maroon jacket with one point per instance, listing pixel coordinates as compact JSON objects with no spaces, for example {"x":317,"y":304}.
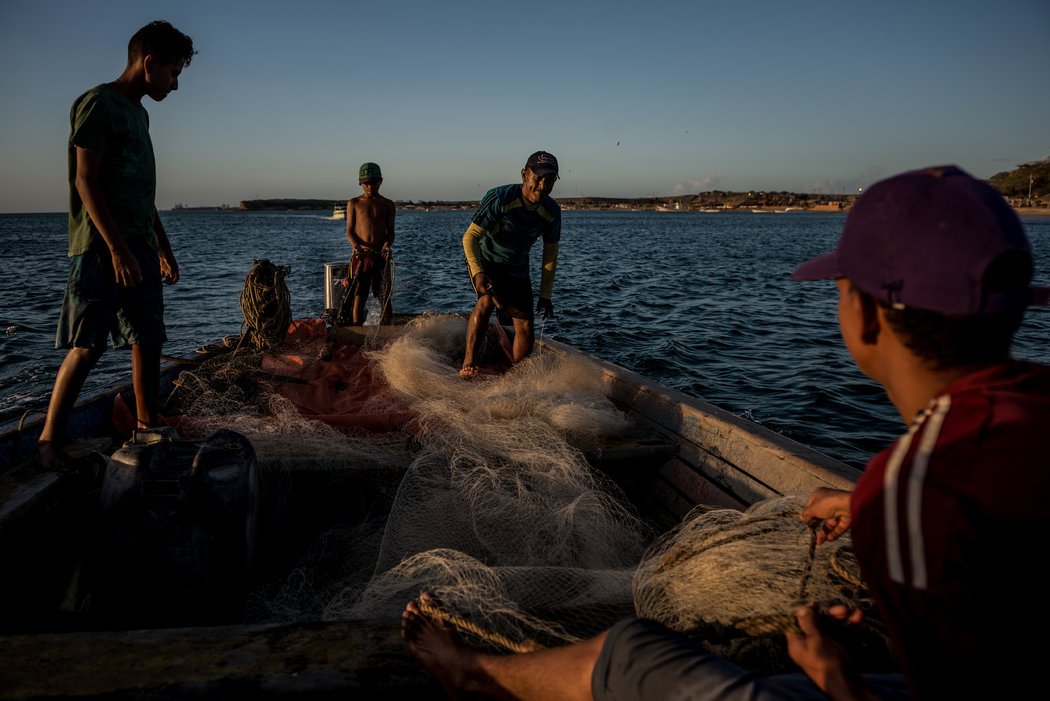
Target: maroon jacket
{"x":949,"y":524}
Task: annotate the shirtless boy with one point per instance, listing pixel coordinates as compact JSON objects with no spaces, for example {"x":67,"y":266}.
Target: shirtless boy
{"x":370,"y":230}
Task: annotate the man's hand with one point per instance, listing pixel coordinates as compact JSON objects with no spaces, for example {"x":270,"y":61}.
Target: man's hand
{"x":546,"y":306}
{"x":169,"y":268}
{"x":483,"y":284}
{"x":822,"y":658}
{"x":126,"y":270}
{"x":828,"y":508}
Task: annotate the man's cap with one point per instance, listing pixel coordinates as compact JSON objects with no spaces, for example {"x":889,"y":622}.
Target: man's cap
{"x":542,"y":162}
{"x":936,"y":239}
{"x":369,"y":171}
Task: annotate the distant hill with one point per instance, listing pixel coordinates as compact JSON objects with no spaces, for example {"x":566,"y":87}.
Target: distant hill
{"x":1026,"y":180}
{"x":704,"y":201}
{"x":1028,"y":185}
{"x":286,"y":204}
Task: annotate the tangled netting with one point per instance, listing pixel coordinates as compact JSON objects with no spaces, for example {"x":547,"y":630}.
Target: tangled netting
{"x":500,"y":517}
{"x":732,"y":580}
{"x":232,"y":390}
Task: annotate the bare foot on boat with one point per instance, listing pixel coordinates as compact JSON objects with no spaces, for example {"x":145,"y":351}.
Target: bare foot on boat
{"x":50,"y":456}
{"x":469,"y":372}
{"x":441,"y":650}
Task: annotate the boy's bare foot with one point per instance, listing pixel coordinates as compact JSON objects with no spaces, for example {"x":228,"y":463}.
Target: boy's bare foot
{"x":468,"y":372}
{"x":440,"y":649}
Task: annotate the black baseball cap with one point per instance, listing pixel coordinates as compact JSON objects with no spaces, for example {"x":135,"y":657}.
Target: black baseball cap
{"x":542,"y":162}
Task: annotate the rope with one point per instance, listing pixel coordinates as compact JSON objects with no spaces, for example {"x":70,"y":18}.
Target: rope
{"x":387,"y":300}
{"x":463,"y":625}
{"x":811,"y":558}
{"x":342,"y":317}
{"x":266,"y":304}
{"x":21,"y":425}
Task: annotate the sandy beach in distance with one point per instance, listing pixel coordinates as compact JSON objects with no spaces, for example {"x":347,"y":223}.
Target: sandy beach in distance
{"x":1032,"y":211}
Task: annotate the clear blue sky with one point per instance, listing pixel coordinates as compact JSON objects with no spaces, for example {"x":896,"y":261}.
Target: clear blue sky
{"x":286,"y":98}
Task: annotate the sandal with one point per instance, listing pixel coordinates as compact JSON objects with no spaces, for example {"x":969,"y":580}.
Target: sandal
{"x":468,"y":372}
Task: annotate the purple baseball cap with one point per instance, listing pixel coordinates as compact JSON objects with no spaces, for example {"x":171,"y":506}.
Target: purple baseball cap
{"x":926,"y":239}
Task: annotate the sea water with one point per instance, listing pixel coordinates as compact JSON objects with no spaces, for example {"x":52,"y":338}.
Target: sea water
{"x":700,"y":301}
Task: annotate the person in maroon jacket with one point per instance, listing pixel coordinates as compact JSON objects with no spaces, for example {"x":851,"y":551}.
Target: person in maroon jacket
{"x":934,"y":271}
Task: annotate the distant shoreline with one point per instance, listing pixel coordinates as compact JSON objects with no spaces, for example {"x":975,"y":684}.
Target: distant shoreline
{"x":583,"y":204}
{"x":1032,"y":211}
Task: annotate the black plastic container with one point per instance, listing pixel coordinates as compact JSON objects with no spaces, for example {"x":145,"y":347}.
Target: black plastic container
{"x":179,"y":527}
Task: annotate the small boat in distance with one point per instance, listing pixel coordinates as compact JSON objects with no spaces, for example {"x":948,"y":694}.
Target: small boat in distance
{"x":339,"y":211}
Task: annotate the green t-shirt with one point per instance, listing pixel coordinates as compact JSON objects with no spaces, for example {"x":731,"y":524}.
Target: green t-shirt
{"x":107,"y":123}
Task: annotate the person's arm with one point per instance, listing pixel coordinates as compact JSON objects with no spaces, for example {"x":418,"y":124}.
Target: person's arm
{"x":125,"y":266}
{"x":389,"y":230}
{"x":169,"y":268}
{"x":472,"y":250}
{"x":830,"y":507}
{"x":548,"y":268}
{"x":351,"y":225}
{"x":823,"y":659}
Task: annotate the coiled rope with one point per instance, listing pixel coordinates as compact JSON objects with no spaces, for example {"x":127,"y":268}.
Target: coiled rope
{"x":266,"y":305}
{"x":464,"y":625}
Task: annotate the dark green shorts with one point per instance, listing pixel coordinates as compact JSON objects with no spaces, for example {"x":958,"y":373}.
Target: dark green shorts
{"x":512,"y":292}
{"x":95,"y":307}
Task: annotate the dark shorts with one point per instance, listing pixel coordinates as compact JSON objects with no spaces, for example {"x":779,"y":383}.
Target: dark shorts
{"x":642,"y":659}
{"x":369,"y":270}
{"x":513,"y":293}
{"x":96,"y":308}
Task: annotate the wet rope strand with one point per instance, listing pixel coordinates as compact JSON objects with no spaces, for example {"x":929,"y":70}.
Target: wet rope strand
{"x":464,"y":625}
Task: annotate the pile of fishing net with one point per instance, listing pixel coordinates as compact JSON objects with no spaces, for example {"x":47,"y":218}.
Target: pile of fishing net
{"x":499,"y":515}
{"x":265,"y":396}
{"x":732,"y":580}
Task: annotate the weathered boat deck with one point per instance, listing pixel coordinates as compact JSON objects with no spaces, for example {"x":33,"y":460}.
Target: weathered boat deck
{"x":309,"y":660}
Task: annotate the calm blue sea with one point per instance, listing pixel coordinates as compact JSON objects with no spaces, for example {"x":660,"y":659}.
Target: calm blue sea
{"x":702,"y":302}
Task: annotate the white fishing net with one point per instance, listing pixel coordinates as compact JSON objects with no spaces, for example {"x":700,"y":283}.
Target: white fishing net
{"x":501,"y":518}
{"x":500,"y":515}
{"x":732,"y":581}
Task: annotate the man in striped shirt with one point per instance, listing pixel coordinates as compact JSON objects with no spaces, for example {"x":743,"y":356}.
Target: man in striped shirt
{"x":508,"y":221}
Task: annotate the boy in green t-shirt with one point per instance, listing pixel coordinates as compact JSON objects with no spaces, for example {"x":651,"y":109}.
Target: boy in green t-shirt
{"x":119,"y":252}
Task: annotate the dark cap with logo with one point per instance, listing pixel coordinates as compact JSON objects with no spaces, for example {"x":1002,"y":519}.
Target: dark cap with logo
{"x":936,"y":239}
{"x":542,"y":162}
{"x":369,"y":171}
